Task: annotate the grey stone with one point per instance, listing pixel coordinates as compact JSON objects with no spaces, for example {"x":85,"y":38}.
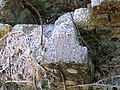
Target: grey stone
{"x":17,"y":55}
{"x":63,"y":44}
{"x":33,"y":33}
{"x":82,"y":16}
{"x":4,"y":30}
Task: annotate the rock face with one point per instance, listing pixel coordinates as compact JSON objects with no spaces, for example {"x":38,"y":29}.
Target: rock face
{"x":63,"y":44}
{"x":104,"y":25}
{"x":82,"y":16}
{"x":12,"y":11}
{"x":4,"y":29}
{"x":33,"y":38}
{"x":16,"y":55}
{"x":22,"y":50}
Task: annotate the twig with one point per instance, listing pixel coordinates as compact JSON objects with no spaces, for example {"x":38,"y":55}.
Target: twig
{"x":34,"y":78}
{"x":40,"y":19}
{"x":80,"y":37}
{"x":64,"y":84}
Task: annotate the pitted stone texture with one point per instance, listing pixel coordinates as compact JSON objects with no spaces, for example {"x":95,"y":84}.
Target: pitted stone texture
{"x":28,"y":28}
{"x":67,"y":17}
{"x":17,"y":54}
{"x":34,"y":33}
{"x":4,"y":29}
{"x":82,"y":16}
{"x":63,"y":45}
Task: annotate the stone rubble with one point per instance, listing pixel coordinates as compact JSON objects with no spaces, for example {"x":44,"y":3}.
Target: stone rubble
{"x":23,"y":48}
{"x":33,"y":34}
{"x":16,"y":56}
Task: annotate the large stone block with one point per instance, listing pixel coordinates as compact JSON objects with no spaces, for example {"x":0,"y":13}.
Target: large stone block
{"x":33,"y":39}
{"x":63,"y":44}
{"x":17,"y":56}
{"x":4,"y":30}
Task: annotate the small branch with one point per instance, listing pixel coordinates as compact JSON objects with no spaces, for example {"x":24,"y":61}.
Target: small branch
{"x":64,"y":84}
{"x":40,"y":19}
{"x":79,"y":35}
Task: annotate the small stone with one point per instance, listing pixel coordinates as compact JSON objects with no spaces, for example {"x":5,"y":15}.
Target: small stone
{"x":72,"y":71}
{"x":70,"y":83}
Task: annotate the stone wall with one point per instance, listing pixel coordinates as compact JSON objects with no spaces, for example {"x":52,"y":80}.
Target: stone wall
{"x":61,"y":48}
{"x":104,"y":26}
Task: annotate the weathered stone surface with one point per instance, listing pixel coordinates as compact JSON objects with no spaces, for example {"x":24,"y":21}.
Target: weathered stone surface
{"x":73,"y":73}
{"x":17,"y":58}
{"x":82,"y":16}
{"x":4,"y":29}
{"x":48,"y":30}
{"x":63,"y":45}
{"x":28,"y":28}
{"x":33,"y":33}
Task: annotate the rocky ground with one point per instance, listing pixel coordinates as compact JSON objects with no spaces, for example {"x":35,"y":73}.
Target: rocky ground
{"x":64,"y":67}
